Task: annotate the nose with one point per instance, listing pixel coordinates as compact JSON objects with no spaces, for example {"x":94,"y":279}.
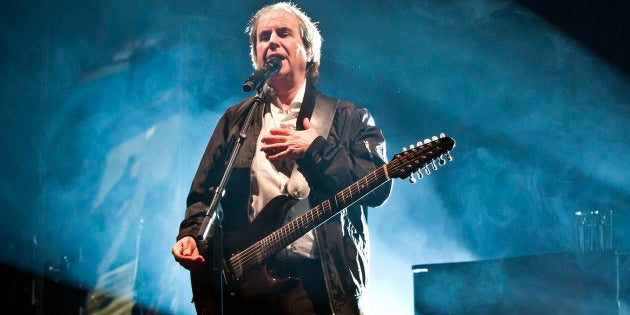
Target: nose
{"x":273,"y":40}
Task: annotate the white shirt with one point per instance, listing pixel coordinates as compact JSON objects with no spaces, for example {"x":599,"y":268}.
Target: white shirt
{"x":269,"y":179}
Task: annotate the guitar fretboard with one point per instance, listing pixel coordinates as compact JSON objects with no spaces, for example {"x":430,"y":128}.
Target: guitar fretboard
{"x":401,"y":166}
{"x":274,"y":242}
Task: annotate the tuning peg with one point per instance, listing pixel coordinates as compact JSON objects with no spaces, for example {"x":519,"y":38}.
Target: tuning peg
{"x":433,"y":165}
{"x":448,"y":156}
{"x":417,"y":174}
{"x":441,"y":160}
{"x":442,"y":135}
{"x":426,"y":169}
{"x":412,"y":179}
{"x":434,"y":138}
{"x":427,"y":141}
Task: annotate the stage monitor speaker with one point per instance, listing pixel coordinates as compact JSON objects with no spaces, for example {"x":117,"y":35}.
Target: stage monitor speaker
{"x":563,"y":283}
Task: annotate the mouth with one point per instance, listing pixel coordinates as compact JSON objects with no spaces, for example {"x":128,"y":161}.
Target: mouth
{"x":281,"y":57}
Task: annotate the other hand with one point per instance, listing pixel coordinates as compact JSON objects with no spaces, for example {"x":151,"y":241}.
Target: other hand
{"x":186,"y":253}
{"x":283,"y":143}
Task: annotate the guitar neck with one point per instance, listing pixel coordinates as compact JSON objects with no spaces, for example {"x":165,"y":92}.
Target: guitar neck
{"x":402,"y":166}
{"x":322,"y":212}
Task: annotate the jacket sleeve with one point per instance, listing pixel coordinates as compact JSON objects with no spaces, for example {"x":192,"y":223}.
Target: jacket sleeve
{"x":207,"y":175}
{"x":355,"y":147}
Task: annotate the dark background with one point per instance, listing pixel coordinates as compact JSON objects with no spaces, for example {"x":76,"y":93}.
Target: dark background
{"x":107,"y":106}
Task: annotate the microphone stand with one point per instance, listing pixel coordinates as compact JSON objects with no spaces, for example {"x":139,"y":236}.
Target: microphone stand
{"x":212,"y":225}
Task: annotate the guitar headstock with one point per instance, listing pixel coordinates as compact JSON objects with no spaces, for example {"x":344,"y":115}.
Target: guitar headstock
{"x":420,"y":156}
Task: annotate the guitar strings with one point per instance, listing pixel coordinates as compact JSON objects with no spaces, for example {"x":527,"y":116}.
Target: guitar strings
{"x":275,"y":241}
{"x":247,"y":257}
{"x":264,"y":246}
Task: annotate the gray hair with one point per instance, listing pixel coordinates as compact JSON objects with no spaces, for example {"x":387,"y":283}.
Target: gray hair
{"x":310,"y":35}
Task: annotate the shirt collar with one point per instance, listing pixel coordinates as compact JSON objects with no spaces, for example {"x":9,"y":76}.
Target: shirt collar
{"x":296,"y":103}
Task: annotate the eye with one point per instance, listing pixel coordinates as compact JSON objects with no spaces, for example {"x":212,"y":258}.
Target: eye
{"x":284,"y":32}
{"x":263,"y":36}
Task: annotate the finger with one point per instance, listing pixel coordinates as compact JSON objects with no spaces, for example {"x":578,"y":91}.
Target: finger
{"x":175,"y":250}
{"x":307,"y":124}
{"x":277,"y":156}
{"x":274,"y":151}
{"x":178,"y":248}
{"x":273,"y":147}
{"x":188,"y":248}
{"x":274,"y":139}
{"x":280,"y":131}
{"x":200,"y":259}
{"x":185,"y":247}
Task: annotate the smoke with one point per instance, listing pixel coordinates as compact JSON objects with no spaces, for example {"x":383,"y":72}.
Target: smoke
{"x":108,"y":122}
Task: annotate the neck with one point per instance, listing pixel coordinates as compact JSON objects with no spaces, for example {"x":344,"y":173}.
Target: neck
{"x":286,"y":90}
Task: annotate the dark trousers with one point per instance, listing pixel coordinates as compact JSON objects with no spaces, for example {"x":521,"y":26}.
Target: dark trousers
{"x":308,"y":296}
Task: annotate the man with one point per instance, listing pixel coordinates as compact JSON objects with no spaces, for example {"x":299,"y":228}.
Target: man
{"x":331,"y":261}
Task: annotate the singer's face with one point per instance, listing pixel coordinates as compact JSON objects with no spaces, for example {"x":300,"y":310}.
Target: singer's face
{"x":278,"y":34}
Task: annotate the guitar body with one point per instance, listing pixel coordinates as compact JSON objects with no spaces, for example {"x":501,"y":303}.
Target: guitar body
{"x":253,"y":281}
{"x":257,"y":280}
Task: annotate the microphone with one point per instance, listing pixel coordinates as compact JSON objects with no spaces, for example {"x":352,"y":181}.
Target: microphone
{"x":260,"y":76}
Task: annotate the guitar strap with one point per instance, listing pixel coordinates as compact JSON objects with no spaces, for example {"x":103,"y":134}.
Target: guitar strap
{"x":321,"y":119}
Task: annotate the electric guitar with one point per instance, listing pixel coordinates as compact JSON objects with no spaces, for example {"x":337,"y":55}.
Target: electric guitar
{"x":247,"y":250}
